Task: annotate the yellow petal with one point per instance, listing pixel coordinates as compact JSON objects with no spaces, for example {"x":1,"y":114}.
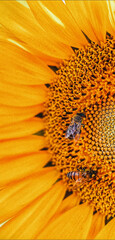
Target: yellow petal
{"x":9,"y":114}
{"x":24,"y":3}
{"x":34,"y":218}
{"x":21,"y":95}
{"x":66,"y":204}
{"x":5,"y":34}
{"x":21,"y":146}
{"x":78,"y":11}
{"x":73,"y":224}
{"x":96,"y":17}
{"x":97,"y":224}
{"x":108,"y":232}
{"x":51,"y":61}
{"x":19,"y":66}
{"x":20,"y":21}
{"x":9,"y":37}
{"x":110,"y":17}
{"x":57,"y":21}
{"x":13,"y":169}
{"x":90,"y":16}
{"x":21,"y":129}
{"x":18,"y":195}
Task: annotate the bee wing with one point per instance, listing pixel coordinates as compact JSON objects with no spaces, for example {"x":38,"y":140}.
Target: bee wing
{"x":78,"y":126}
{"x":68,"y":131}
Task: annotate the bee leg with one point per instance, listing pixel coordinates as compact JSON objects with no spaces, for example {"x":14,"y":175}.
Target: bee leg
{"x":77,"y":183}
{"x":77,"y":138}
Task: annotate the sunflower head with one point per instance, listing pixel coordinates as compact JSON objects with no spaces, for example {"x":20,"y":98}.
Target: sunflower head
{"x":85,"y":85}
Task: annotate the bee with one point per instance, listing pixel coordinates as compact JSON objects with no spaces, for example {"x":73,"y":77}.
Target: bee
{"x":74,"y":129}
{"x":81,"y":176}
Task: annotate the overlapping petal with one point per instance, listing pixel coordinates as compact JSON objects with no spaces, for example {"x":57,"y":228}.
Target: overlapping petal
{"x":73,"y":224}
{"x":65,"y":205}
{"x":9,"y":114}
{"x":56,"y":19}
{"x":13,"y":169}
{"x":18,"y":95}
{"x":25,"y":27}
{"x":110,"y":16}
{"x":19,"y":146}
{"x":68,"y":203}
{"x":108,"y":232}
{"x":90,"y":15}
{"x":19,"y":194}
{"x":98,"y":222}
{"x":22,"y":67}
{"x":21,"y":129}
{"x":28,"y":222}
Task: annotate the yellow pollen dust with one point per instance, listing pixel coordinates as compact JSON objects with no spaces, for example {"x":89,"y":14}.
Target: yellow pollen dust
{"x":85,"y":84}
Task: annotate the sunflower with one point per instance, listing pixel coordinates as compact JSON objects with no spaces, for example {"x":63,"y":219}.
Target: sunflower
{"x":57,"y":62}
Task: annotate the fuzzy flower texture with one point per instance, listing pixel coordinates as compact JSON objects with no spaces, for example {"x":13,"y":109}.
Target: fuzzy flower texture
{"x":57,"y":117}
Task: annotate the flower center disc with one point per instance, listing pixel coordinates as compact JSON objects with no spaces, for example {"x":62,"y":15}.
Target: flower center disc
{"x":85,"y":84}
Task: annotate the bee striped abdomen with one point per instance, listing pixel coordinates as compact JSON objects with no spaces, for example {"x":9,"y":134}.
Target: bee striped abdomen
{"x":77,"y":176}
